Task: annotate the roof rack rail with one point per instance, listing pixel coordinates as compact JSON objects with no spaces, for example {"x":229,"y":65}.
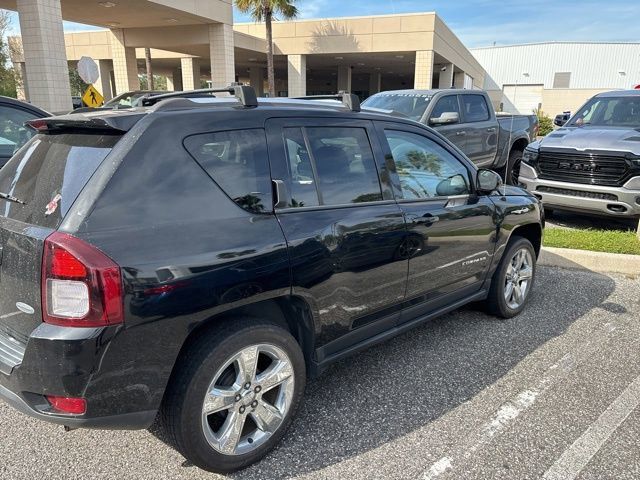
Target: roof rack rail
{"x":349,"y":100}
{"x":244,"y":93}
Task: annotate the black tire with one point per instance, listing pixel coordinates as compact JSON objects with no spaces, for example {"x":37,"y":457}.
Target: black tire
{"x":548,"y":212}
{"x":181,"y":414}
{"x":513,"y":168}
{"x":496,"y":303}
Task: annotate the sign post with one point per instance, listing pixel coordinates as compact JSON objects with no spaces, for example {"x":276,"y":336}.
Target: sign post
{"x":89,"y":73}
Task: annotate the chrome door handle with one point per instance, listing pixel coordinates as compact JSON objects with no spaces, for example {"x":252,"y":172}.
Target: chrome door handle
{"x":491,"y":129}
{"x":461,"y":133}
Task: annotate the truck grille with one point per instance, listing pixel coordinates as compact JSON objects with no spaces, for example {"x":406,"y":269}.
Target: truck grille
{"x":585,"y":168}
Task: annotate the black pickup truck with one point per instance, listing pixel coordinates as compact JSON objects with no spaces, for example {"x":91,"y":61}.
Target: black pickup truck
{"x":198,"y":259}
{"x":466,"y":118}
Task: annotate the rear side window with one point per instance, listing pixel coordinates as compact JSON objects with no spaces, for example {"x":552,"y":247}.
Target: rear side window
{"x":237,"y":161}
{"x":475,"y":108}
{"x":339,"y":169}
{"x":48,"y":173}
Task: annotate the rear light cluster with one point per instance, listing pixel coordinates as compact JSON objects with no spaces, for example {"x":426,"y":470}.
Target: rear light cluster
{"x":81,"y":286}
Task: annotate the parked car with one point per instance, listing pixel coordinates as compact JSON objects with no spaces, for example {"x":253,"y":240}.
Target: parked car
{"x":13,"y":131}
{"x":561,"y":119}
{"x":466,"y":119}
{"x":77,"y":102}
{"x":204,"y":256}
{"x":591,"y":164}
{"x":131,"y":99}
{"x":123,"y":101}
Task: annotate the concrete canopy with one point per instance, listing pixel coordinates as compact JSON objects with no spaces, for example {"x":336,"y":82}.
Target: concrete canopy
{"x":141,"y":13}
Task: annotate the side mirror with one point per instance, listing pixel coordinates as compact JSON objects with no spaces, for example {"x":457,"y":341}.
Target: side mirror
{"x":445,"y":119}
{"x":487,"y":181}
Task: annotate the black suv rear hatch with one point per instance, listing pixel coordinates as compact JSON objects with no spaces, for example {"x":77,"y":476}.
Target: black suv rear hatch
{"x":37,"y":188}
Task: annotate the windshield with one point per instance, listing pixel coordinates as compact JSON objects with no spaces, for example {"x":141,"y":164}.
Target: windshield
{"x":410,"y":104}
{"x":609,"y":112}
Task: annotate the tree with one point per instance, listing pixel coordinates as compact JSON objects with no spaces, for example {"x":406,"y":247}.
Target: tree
{"x":77,"y":84}
{"x":266,"y":11}
{"x":147,"y":60}
{"x":7,"y":73}
{"x":545,"y":124}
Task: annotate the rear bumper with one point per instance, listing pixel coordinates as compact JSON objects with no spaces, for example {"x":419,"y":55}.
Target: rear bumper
{"x":97,"y":364}
{"x":129,"y":421}
{"x":609,"y":201}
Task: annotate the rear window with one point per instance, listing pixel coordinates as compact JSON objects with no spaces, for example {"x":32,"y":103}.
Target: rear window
{"x":48,"y":173}
{"x":237,"y":161}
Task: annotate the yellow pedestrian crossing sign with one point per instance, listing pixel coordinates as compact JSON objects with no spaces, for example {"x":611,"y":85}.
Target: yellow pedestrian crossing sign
{"x":92,"y":97}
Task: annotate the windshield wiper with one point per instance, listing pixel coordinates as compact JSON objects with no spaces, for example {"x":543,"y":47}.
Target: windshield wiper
{"x":11,"y":198}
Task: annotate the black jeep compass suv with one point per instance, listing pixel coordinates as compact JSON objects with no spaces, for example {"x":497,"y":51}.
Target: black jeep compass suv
{"x":195,"y":259}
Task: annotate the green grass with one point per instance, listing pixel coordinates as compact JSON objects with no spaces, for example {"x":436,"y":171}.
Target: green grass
{"x":611,"y":241}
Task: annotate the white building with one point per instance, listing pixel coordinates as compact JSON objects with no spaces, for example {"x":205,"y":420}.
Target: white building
{"x":556,"y":76}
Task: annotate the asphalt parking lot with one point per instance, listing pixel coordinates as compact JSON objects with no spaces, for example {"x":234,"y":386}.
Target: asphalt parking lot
{"x":553,"y":393}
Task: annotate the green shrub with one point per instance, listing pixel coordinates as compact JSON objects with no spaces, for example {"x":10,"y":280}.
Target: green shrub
{"x":545,"y":123}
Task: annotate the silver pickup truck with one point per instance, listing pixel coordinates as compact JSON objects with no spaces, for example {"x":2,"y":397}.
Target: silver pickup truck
{"x":466,"y":118}
{"x":592,"y":163}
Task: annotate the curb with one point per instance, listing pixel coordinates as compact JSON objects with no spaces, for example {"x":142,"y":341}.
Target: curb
{"x":588,"y":260}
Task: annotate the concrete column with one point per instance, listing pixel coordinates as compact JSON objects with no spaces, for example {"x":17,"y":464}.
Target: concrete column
{"x":125,"y":66}
{"x":174,"y":80}
{"x":223,"y":69}
{"x":458,"y":81}
{"x":103,"y":84}
{"x":45,"y":54}
{"x":446,"y":77}
{"x":424,"y":70}
{"x":344,"y":78}
{"x":256,"y":79}
{"x":375,"y":82}
{"x":297,"y":70}
{"x":22,"y":89}
{"x":190,"y":73}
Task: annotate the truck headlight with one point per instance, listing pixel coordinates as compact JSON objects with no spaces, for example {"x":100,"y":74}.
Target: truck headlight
{"x":530,"y":156}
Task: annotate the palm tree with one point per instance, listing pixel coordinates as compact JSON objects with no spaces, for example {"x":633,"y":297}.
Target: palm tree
{"x":265,"y":11}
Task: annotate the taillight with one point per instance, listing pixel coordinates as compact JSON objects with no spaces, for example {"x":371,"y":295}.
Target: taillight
{"x":81,"y":286}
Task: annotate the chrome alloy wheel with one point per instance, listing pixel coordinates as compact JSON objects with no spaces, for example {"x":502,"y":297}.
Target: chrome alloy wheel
{"x":518,"y":278}
{"x":248,"y":399}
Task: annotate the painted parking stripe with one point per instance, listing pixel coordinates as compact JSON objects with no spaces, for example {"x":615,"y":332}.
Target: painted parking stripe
{"x":509,"y":411}
{"x":578,"y":455}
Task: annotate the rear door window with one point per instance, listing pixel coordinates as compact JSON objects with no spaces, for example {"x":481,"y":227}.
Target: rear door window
{"x":475,"y":108}
{"x":238,"y":162}
{"x":339,"y":169}
{"x":48,"y":173}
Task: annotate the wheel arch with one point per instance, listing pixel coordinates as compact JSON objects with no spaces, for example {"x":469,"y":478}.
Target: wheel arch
{"x":519,"y":145}
{"x":290,"y":312}
{"x":530,"y":231}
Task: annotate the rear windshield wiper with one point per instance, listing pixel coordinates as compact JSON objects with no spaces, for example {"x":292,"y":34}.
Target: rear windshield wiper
{"x":11,"y":198}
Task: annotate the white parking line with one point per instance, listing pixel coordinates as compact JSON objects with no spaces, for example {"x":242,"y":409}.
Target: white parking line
{"x":510,"y":410}
{"x":578,"y":455}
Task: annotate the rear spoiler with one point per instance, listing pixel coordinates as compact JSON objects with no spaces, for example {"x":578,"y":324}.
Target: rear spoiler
{"x":112,"y":124}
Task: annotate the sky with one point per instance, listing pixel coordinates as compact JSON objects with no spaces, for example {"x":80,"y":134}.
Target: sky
{"x":485,"y":22}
